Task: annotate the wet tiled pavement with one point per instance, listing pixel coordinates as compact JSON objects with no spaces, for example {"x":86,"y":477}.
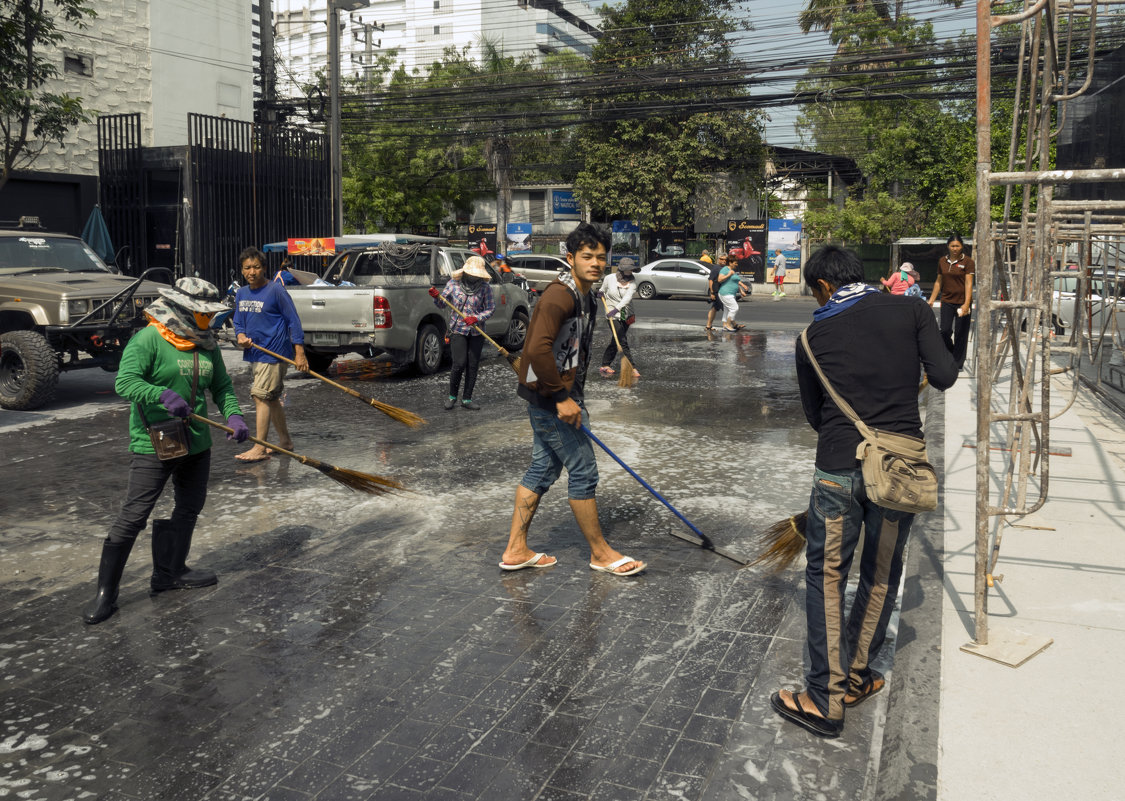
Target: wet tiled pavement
{"x":369,"y":648}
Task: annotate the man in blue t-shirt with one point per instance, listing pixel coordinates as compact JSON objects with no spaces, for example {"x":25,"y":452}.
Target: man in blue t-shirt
{"x":264,"y":315}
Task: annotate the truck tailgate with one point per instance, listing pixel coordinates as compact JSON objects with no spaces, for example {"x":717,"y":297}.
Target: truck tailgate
{"x":333,"y":309}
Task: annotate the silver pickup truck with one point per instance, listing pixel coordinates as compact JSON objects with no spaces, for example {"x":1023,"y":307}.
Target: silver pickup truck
{"x":387,"y":309}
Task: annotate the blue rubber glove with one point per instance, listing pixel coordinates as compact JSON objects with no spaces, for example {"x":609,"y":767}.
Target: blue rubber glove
{"x":610,"y":312}
{"x":241,"y":432}
{"x":176,"y":405}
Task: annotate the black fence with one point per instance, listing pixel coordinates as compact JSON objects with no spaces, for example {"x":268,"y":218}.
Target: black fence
{"x":122,"y":187}
{"x":193,"y":209}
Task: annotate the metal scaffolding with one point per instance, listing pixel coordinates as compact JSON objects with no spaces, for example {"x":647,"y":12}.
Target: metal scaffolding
{"x":1023,"y":263}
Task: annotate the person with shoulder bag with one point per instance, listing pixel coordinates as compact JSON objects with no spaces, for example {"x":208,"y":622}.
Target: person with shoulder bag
{"x":166,"y":370}
{"x":867,"y":349}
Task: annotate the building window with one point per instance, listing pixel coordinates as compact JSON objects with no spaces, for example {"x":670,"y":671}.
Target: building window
{"x":78,"y":64}
{"x":437,"y":30}
{"x":437,"y":5}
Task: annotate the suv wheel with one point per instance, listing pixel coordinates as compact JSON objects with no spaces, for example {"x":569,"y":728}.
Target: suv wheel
{"x":29,"y":370}
{"x":428,"y":350}
{"x":517,"y":331}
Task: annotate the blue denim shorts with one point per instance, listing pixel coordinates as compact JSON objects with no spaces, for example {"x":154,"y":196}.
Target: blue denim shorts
{"x":558,"y":445}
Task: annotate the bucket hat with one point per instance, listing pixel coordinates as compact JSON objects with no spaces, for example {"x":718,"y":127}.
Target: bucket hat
{"x":475,"y":267}
{"x":626,"y":265}
{"x":196,"y":295}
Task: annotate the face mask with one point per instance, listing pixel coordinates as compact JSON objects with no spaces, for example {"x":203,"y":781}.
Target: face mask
{"x":470,"y":282}
{"x":203,"y":320}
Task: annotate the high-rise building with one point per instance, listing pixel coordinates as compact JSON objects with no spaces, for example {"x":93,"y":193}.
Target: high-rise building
{"x":420,"y":31}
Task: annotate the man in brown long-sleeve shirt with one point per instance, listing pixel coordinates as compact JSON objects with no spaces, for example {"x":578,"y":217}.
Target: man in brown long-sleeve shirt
{"x":552,"y":377}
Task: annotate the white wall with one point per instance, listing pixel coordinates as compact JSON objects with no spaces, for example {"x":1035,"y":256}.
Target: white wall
{"x":117,"y":41}
{"x":201,"y":62}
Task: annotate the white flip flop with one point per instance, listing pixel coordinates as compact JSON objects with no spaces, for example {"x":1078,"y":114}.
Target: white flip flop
{"x":612,"y":567}
{"x":532,"y":562}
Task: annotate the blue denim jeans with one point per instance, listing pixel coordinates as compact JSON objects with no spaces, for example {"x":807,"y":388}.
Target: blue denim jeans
{"x":839,"y":651}
{"x":558,"y":445}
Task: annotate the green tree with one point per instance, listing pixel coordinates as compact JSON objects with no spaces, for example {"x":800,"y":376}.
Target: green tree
{"x":31,"y":115}
{"x":668,"y":110}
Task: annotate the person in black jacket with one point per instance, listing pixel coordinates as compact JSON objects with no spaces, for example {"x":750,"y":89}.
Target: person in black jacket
{"x":871,"y":347}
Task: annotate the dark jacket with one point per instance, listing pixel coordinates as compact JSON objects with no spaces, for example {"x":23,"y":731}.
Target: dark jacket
{"x":557,"y":349}
{"x":873,"y":353}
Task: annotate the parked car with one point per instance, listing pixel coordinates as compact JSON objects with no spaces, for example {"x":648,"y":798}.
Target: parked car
{"x":374,"y":301}
{"x":539,"y":269}
{"x":61,"y":308}
{"x":1107,"y":292}
{"x":665,"y":277}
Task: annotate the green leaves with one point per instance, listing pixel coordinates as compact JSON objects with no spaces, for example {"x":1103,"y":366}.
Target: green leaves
{"x":668,"y":54}
{"x":31,"y":116}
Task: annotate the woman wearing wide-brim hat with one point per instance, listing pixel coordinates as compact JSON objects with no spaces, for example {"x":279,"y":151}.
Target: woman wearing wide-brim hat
{"x":165,"y":371}
{"x":469,"y":292}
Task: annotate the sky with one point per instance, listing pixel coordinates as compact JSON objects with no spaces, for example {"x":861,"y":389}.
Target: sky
{"x":777,"y":39}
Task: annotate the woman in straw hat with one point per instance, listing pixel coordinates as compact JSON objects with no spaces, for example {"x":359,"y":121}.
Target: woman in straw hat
{"x":470,"y":294}
{"x":165,"y":370}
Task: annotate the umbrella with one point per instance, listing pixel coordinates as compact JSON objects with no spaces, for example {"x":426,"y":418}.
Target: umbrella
{"x":96,"y":235}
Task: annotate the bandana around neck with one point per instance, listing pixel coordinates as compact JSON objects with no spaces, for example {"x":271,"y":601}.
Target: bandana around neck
{"x":843,"y":298}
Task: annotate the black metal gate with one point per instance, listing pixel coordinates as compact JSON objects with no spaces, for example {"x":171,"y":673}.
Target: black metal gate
{"x":122,"y":187}
{"x":235,"y":184}
{"x":252,"y":184}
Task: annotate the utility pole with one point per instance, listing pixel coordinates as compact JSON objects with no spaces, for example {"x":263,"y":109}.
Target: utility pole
{"x":335,"y":159}
{"x":268,"y":65}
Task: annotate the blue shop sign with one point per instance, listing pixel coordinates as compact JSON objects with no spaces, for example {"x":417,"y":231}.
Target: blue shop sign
{"x":564,"y":203}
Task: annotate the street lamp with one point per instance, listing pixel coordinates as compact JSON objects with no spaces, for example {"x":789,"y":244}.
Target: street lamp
{"x":337,"y":166}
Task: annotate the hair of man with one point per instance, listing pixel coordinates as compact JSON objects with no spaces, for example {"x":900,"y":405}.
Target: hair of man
{"x":834,"y":265}
{"x":588,"y":235}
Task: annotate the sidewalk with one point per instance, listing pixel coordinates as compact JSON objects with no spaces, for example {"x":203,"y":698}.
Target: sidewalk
{"x":1042,"y":730}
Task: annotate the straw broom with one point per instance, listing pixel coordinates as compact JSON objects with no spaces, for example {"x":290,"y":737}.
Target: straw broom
{"x":782,"y":542}
{"x":393,"y":412}
{"x":513,"y":361}
{"x":626,"y":379}
{"x":352,"y":479}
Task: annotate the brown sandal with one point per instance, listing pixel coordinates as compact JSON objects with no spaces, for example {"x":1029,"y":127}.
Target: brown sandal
{"x":865,"y":690}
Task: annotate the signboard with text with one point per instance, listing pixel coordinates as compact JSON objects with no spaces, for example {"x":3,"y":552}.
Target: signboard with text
{"x":626,"y":242}
{"x":482,"y":238}
{"x":785,"y":235}
{"x":564,"y":205}
{"x":313,"y":246}
{"x":517,"y":237}
{"x":746,"y":242}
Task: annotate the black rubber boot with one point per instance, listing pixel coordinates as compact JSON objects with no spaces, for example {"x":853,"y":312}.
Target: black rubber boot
{"x":170,"y":546}
{"x":112,"y":565}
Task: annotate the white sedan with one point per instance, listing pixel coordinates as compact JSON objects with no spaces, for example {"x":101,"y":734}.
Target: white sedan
{"x":665,"y":277}
{"x":1106,"y":293}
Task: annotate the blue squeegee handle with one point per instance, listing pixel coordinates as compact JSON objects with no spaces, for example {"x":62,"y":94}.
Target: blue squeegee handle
{"x":705,"y":541}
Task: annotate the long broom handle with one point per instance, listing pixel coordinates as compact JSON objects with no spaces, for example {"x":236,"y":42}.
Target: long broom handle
{"x":377,"y":404}
{"x":479,"y":330}
{"x":262,"y":442}
{"x":613,"y":328}
{"x":705,"y":540}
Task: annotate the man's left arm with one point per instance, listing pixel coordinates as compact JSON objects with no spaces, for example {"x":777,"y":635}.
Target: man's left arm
{"x":293,"y":323}
{"x":937,"y":360}
{"x":812,"y":391}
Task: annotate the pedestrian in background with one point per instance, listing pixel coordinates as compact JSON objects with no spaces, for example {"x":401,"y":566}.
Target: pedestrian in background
{"x":469,"y":291}
{"x":869,"y":346}
{"x":552,"y":379}
{"x":617,"y":291}
{"x":730,"y":285}
{"x":954,"y":286}
{"x":705,"y":257}
{"x":165,"y":371}
{"x":901,"y":279}
{"x":264,"y":315}
{"x":779,"y":275}
{"x":716,"y":305}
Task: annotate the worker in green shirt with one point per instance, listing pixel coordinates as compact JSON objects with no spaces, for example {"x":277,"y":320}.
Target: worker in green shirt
{"x":165,"y":371}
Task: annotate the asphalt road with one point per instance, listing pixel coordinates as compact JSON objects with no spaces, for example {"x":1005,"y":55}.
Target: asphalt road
{"x":369,"y":648}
